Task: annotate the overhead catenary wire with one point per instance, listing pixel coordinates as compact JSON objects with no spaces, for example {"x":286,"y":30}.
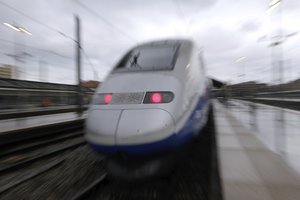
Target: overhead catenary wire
{"x":48,"y":27}
{"x":106,"y":21}
{"x":35,"y":48}
{"x":39,"y":49}
{"x":56,"y":64}
{"x":28,"y":74}
{"x":59,"y":64}
{"x":36,"y":21}
{"x":56,"y":31}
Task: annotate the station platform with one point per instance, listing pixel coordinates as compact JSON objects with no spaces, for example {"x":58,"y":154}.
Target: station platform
{"x":36,"y":121}
{"x":249,"y":168}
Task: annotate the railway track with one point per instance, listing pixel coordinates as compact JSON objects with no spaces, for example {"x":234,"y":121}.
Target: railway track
{"x":17,"y":161}
{"x":86,"y":192}
{"x":16,"y":155}
{"x":31,"y":175}
{"x":59,"y":176}
{"x":36,"y":144}
{"x":30,"y":135}
{"x":36,"y":149}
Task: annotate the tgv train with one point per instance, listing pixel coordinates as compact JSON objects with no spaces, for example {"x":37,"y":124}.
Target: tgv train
{"x":156,"y":99}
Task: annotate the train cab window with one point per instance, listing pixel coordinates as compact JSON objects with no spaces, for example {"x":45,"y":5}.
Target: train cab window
{"x":149,"y":58}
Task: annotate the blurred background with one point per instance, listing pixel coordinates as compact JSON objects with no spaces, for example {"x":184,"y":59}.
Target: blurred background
{"x":246,"y":44}
{"x":54,"y":54}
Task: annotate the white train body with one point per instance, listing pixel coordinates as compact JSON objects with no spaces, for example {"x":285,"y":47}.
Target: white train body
{"x":156,"y":99}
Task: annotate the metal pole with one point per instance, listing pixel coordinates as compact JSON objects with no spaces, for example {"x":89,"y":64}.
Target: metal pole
{"x":276,"y":40}
{"x":78,"y":64}
{"x":277,"y":62}
{"x":16,"y":70}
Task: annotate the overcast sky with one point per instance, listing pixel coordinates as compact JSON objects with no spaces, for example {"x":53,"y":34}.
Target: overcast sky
{"x":224,"y":29}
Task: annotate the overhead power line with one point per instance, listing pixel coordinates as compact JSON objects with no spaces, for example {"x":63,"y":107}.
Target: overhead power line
{"x":107,"y":22}
{"x":39,"y":49}
{"x":58,"y":31}
{"x":36,"y":21}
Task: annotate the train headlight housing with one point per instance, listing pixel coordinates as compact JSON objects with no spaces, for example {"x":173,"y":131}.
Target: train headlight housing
{"x":102,"y":99}
{"x":158,"y":97}
{"x":133,"y":98}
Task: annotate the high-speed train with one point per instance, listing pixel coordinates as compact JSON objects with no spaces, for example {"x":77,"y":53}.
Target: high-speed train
{"x":156,"y":99}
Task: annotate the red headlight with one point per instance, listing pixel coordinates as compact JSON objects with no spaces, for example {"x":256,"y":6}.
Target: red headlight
{"x":158,"y":97}
{"x":107,"y":98}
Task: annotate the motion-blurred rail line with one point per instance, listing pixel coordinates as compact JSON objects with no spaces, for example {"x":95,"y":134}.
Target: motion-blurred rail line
{"x":84,"y":193}
{"x":33,"y":145}
{"x":38,"y":143}
{"x":29,"y":160}
{"x":35,"y":173}
{"x":19,"y":136}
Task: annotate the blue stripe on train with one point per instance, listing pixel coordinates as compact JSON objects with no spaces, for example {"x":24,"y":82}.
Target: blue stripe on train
{"x":189,"y":130}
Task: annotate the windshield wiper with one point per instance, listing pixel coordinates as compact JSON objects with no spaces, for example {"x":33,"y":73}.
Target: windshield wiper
{"x":134,"y":62}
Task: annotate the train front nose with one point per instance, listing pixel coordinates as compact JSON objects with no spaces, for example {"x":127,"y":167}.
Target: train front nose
{"x":130,"y":131}
{"x":100,"y":128}
{"x":143,"y":126}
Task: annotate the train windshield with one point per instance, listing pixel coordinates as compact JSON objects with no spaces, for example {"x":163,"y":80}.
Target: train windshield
{"x":155,"y":57}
